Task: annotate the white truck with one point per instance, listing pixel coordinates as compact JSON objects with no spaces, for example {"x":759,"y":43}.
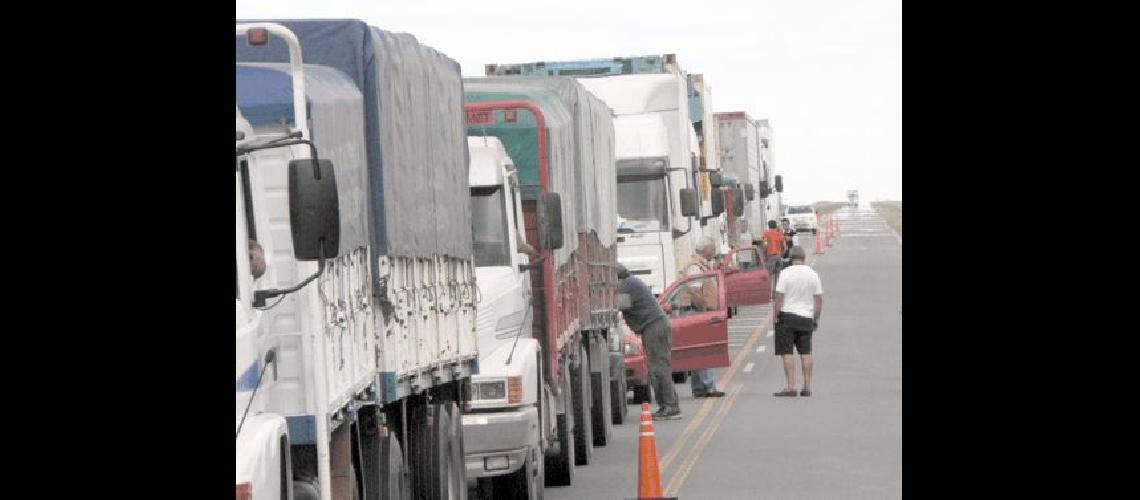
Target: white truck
{"x":356,"y":347}
{"x":740,"y":159}
{"x":774,"y":203}
{"x":505,"y":448}
{"x":657,"y":157}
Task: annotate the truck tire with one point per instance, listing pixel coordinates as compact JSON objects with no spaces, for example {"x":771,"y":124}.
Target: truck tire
{"x":680,"y":377}
{"x":393,"y":482}
{"x":560,"y":466}
{"x":418,"y":440}
{"x":444,"y":481}
{"x":457,"y":465}
{"x":617,"y":394}
{"x":584,"y":430}
{"x":602,"y":407}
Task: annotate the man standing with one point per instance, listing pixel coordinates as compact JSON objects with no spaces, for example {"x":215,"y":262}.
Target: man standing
{"x":774,"y":247}
{"x":789,"y":236}
{"x":799,"y":301}
{"x":645,"y":317}
{"x":702,"y":381}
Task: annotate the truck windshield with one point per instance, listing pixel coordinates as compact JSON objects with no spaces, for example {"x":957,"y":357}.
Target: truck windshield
{"x":642,"y":206}
{"x":489,"y":227}
{"x":805,"y":209}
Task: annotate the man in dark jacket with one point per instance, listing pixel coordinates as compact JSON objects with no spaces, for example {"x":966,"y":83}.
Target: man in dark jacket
{"x":645,"y":317}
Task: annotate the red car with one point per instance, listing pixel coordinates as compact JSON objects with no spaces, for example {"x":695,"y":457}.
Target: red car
{"x":700,"y":331}
{"x":636,"y":366}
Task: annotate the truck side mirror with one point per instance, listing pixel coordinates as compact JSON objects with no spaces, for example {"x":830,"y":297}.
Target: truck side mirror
{"x":716,"y":179}
{"x":314,"y":209}
{"x":690,"y":207}
{"x":749,"y":192}
{"x":623,"y":301}
{"x":737,"y":202}
{"x":550,"y":221}
{"x":717,"y":201}
{"x":779,"y":184}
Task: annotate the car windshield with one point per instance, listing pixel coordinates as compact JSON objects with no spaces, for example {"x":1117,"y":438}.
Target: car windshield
{"x":489,"y":227}
{"x":803,"y":209}
{"x":642,"y":206}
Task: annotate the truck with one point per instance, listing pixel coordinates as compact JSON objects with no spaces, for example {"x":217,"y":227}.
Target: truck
{"x":357,"y":345}
{"x":742,"y":157}
{"x":546,"y":144}
{"x":657,"y":153}
{"x":774,"y":203}
{"x":853,"y":198}
{"x":708,"y":144}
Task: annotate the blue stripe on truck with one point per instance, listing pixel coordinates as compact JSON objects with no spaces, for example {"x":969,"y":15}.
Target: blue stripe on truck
{"x":302,"y":429}
{"x":248,"y":380}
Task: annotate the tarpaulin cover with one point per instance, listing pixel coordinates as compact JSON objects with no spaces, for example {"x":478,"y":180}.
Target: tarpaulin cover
{"x":336,"y":115}
{"x":414,"y":125}
{"x":580,"y":136}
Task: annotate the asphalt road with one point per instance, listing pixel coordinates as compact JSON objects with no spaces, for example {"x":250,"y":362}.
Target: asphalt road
{"x":845,"y":441}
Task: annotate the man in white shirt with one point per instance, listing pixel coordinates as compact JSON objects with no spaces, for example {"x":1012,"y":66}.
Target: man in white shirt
{"x":799,"y":301}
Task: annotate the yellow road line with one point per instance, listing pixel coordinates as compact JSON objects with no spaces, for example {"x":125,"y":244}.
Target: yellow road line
{"x":683,"y":472}
{"x":706,"y":408}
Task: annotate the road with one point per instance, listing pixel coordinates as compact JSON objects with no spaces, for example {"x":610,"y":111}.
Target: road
{"x":845,"y":441}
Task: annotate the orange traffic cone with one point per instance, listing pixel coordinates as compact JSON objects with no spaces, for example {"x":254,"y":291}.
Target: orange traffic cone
{"x":648,"y":474}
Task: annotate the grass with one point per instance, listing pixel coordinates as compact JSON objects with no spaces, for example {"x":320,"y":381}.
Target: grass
{"x":892,"y":212}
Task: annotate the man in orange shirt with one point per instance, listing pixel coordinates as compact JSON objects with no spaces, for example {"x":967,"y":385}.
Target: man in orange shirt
{"x":774,"y":246}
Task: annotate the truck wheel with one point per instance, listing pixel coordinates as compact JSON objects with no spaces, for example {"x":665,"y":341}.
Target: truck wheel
{"x":440,"y":451}
{"x":680,"y":377}
{"x":584,"y":430}
{"x":617,"y":394}
{"x":561,"y":464}
{"x":457,"y":465}
{"x":600,"y":387}
{"x":419,"y":458}
{"x":392,"y":478}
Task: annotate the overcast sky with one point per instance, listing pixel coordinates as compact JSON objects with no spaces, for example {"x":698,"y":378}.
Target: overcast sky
{"x":826,"y":73}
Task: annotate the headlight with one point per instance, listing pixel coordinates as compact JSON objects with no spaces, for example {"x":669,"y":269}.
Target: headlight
{"x":492,"y":390}
{"x":498,"y":390}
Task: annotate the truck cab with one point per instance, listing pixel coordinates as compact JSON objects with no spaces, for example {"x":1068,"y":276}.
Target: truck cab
{"x":502,"y":427}
{"x":263,"y":462}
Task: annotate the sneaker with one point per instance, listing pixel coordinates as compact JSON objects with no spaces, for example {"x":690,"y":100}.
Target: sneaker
{"x":667,"y":414}
{"x":805,"y":393}
{"x":785,"y":393}
{"x":714,"y":394}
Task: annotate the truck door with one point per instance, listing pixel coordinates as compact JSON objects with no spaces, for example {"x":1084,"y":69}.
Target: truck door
{"x":698,"y":314}
{"x":747,"y":278}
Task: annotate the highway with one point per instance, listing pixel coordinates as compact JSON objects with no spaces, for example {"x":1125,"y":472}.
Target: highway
{"x":845,"y":441}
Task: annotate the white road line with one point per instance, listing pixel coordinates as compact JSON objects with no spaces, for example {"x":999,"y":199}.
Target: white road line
{"x":770,"y":332}
{"x":748,"y":367}
{"x":762,"y":348}
{"x":735,"y":345}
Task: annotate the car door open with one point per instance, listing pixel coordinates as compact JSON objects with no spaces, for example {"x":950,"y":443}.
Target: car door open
{"x":698,"y":314}
{"x":746,"y":277}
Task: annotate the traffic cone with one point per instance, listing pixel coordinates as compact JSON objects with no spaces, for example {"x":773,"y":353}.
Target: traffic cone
{"x":648,"y":473}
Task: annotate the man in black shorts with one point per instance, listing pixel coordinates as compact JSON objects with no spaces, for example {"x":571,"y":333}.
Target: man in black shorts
{"x":799,"y":301}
